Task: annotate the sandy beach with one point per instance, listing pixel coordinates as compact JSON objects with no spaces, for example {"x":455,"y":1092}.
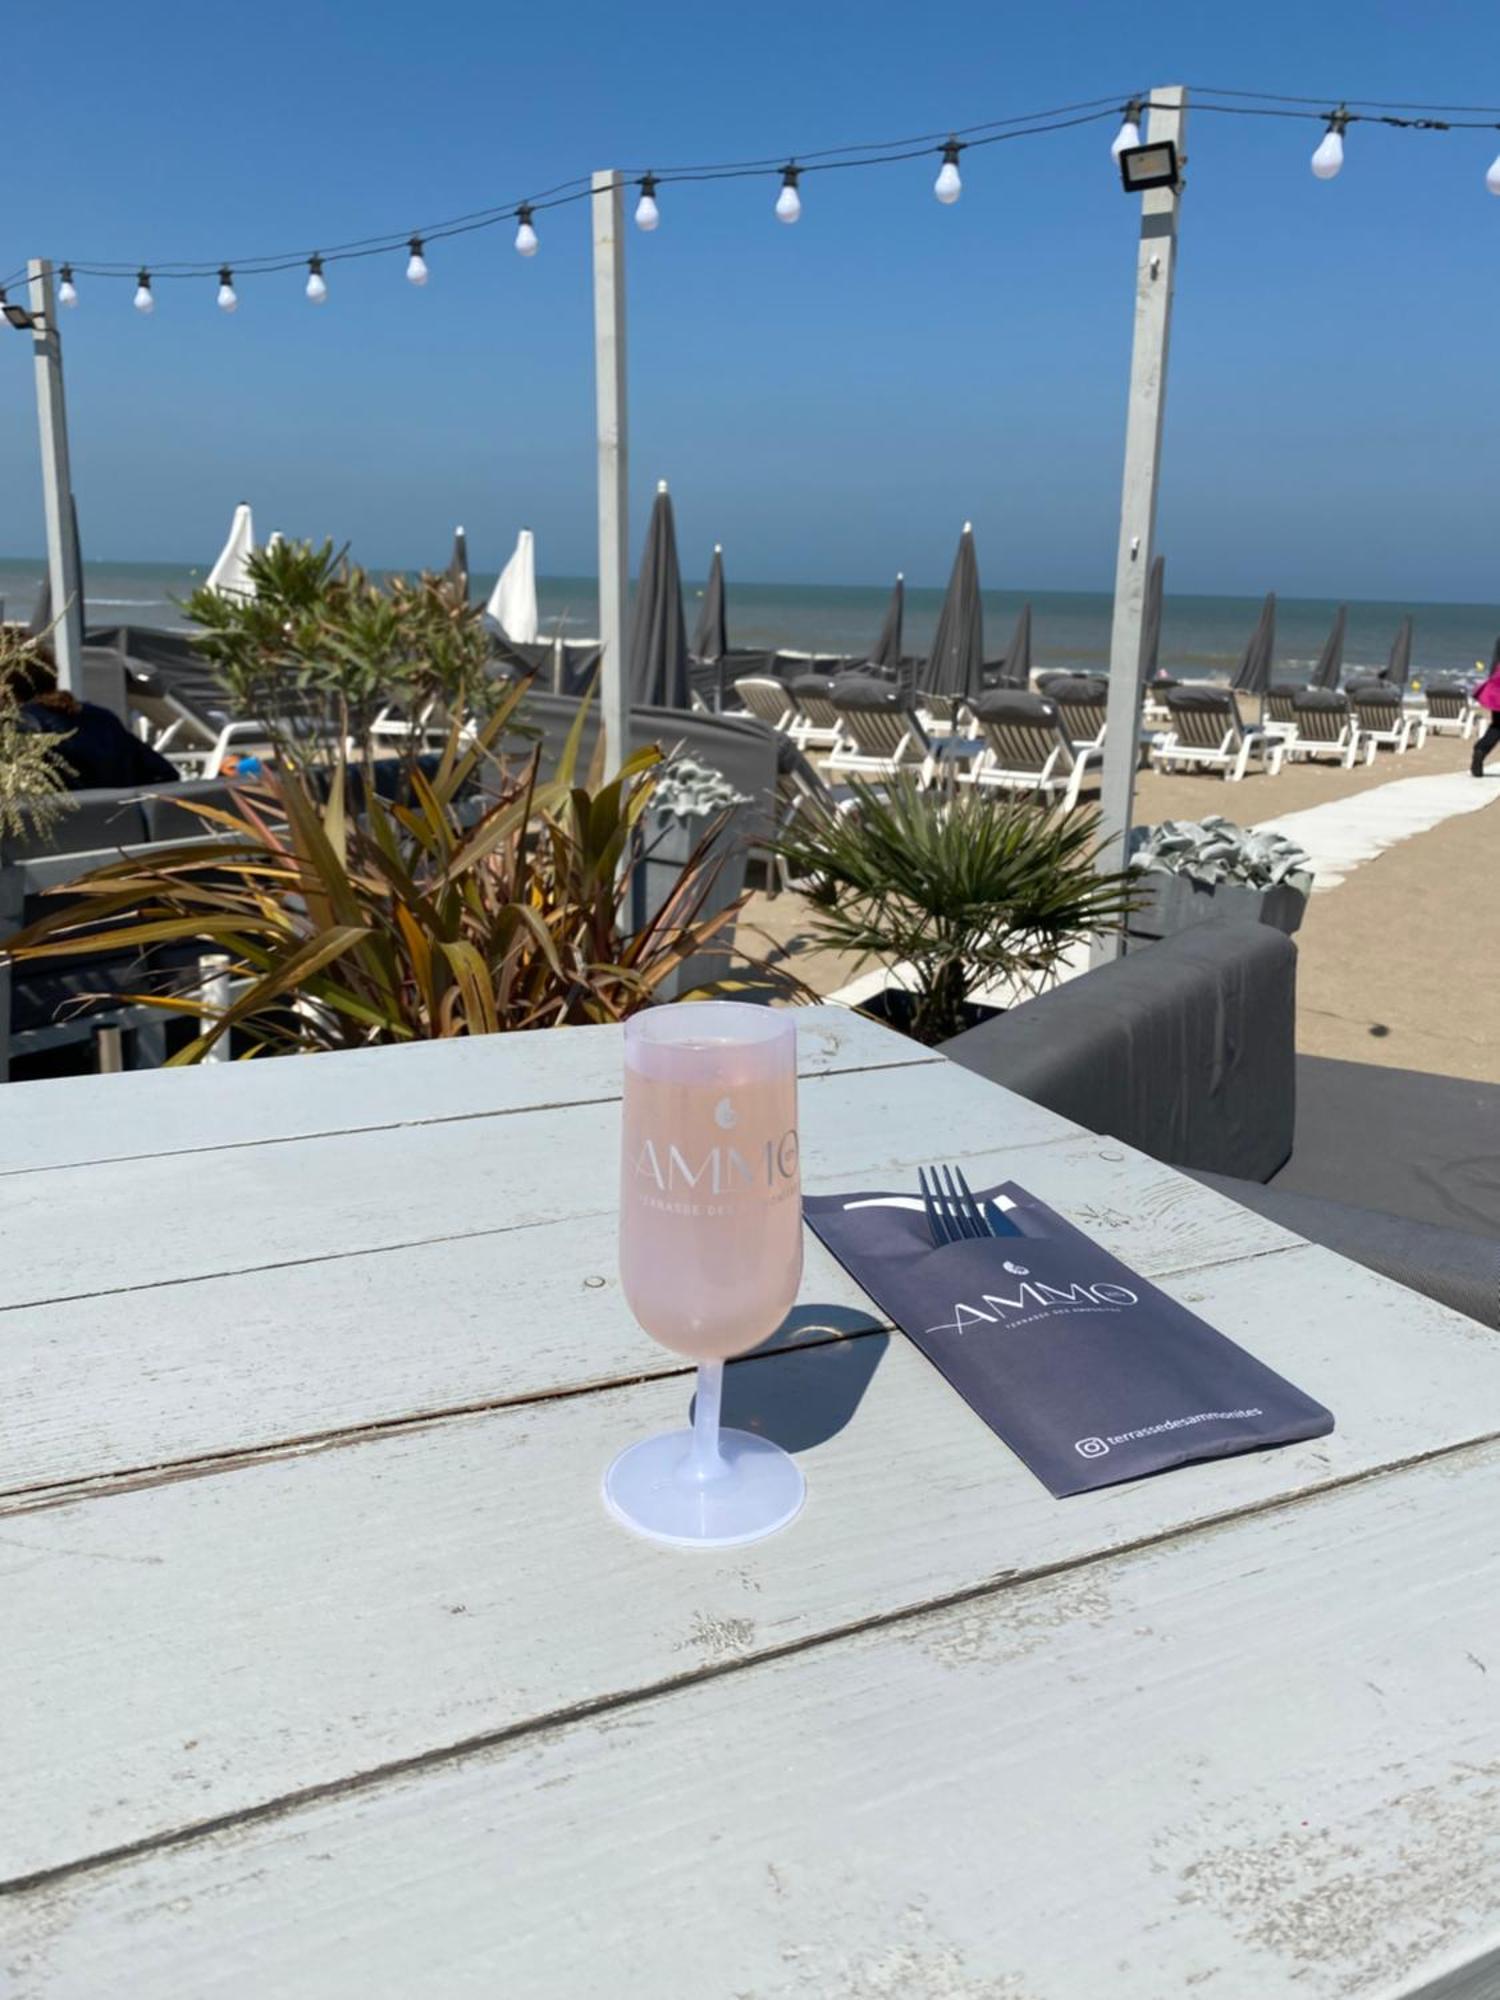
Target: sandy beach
{"x":1397,"y":963}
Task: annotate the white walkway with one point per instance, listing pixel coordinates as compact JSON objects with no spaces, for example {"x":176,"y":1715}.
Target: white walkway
{"x":1342,"y":833}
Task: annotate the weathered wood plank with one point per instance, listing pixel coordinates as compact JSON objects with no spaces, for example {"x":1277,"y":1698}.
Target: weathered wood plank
{"x":1217,"y":1765}
{"x":205,"y":1645}
{"x":192,"y":1215}
{"x":233,"y":1364}
{"x":83,"y":1120}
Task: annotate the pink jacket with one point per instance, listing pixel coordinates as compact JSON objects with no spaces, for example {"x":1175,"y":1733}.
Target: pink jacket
{"x":1487,"y":694}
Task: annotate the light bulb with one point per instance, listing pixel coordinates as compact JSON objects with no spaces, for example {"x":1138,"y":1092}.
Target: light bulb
{"x":67,"y":291}
{"x":949,"y":185}
{"x":144,"y":303}
{"x":526,"y":239}
{"x":416,"y":264}
{"x":1126,"y":139}
{"x":1492,"y":178}
{"x":316,"y":287}
{"x":228,"y":297}
{"x":789,"y":202}
{"x":647,"y":214}
{"x":1329,"y":157}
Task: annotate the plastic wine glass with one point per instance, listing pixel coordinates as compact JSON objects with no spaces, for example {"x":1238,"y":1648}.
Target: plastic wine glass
{"x":710,"y":1255}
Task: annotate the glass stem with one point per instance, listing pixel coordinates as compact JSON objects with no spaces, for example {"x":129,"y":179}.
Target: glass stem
{"x":705,"y":1462}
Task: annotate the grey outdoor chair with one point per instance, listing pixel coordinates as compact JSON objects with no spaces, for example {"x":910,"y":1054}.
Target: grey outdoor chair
{"x":1382,"y":721}
{"x":1322,"y":726}
{"x":881,"y":731}
{"x":1027,"y":748}
{"x":1451,"y":711}
{"x":1204,"y":727}
{"x":800,"y":792}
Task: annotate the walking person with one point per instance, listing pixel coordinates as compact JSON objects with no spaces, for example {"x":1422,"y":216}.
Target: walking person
{"x":1487,"y":694}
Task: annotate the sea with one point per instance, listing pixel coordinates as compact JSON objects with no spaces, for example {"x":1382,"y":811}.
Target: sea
{"x":1202,"y":637}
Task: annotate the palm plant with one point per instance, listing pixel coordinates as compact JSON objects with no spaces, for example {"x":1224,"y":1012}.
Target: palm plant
{"x":959,"y":891}
{"x":446,"y":914}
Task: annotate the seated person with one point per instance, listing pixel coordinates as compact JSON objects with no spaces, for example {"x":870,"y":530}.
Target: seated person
{"x":98,"y":750}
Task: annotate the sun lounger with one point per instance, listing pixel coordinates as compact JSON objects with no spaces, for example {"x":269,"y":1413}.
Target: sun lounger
{"x":1322,"y":726}
{"x":1278,"y":708}
{"x":881,"y":732}
{"x":767,"y":700}
{"x":1204,"y":727}
{"x":815,"y":722}
{"x":1082,"y":700}
{"x":1382,"y":721}
{"x":1450,"y":710}
{"x":1027,"y":748}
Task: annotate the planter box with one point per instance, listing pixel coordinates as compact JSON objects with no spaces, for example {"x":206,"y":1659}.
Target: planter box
{"x":669,"y":842}
{"x":892,"y":1006}
{"x":1176,"y":902}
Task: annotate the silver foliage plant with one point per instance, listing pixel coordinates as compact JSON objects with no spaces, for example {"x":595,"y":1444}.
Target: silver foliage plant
{"x":1214,"y":849}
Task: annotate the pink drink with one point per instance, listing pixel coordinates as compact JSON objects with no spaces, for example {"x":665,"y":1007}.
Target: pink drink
{"x":710,"y":1192}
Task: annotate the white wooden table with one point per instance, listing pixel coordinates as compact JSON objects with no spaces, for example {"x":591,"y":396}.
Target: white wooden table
{"x":322,"y":1672}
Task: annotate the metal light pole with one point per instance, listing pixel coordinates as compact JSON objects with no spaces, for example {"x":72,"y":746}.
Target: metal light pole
{"x":1156,"y":269}
{"x":614,"y":527}
{"x":63,"y":571}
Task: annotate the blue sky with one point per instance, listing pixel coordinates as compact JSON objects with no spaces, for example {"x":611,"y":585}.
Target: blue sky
{"x":829,"y":401}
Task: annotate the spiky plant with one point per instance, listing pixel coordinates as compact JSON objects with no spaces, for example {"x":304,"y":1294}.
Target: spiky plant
{"x":33,"y":777}
{"x":441,"y":914}
{"x":961,"y":890}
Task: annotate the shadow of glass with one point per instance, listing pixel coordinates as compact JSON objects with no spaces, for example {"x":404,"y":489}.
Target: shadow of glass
{"x":799,"y":1400}
{"x":811,"y":1325}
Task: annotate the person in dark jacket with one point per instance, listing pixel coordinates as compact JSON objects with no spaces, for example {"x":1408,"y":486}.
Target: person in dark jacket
{"x":98,"y":750}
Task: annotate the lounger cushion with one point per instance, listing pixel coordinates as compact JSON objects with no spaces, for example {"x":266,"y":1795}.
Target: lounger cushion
{"x":1076,"y":687}
{"x":1454,"y":1267}
{"x":1184,"y":1048}
{"x":820,"y":685}
{"x":1211,"y":700}
{"x":863,"y":694}
{"x":1329,"y":700}
{"x":1015,"y":705}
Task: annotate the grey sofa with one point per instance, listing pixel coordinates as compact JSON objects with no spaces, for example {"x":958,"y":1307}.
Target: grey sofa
{"x":38,"y":1001}
{"x":1186,"y":1049}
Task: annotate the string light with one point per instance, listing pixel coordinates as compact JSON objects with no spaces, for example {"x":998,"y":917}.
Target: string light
{"x":949,"y":185}
{"x":1129,"y":135}
{"x":1327,"y":161}
{"x":1329,"y":157}
{"x":228,"y":297}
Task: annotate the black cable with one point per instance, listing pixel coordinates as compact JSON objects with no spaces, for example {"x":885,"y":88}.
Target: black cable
{"x":1374,"y":103}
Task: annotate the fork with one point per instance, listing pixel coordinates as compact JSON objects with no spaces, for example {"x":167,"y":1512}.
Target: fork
{"x":954,"y":1213}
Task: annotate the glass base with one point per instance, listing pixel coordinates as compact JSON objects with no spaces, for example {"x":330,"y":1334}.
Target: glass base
{"x":650,"y":1488}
